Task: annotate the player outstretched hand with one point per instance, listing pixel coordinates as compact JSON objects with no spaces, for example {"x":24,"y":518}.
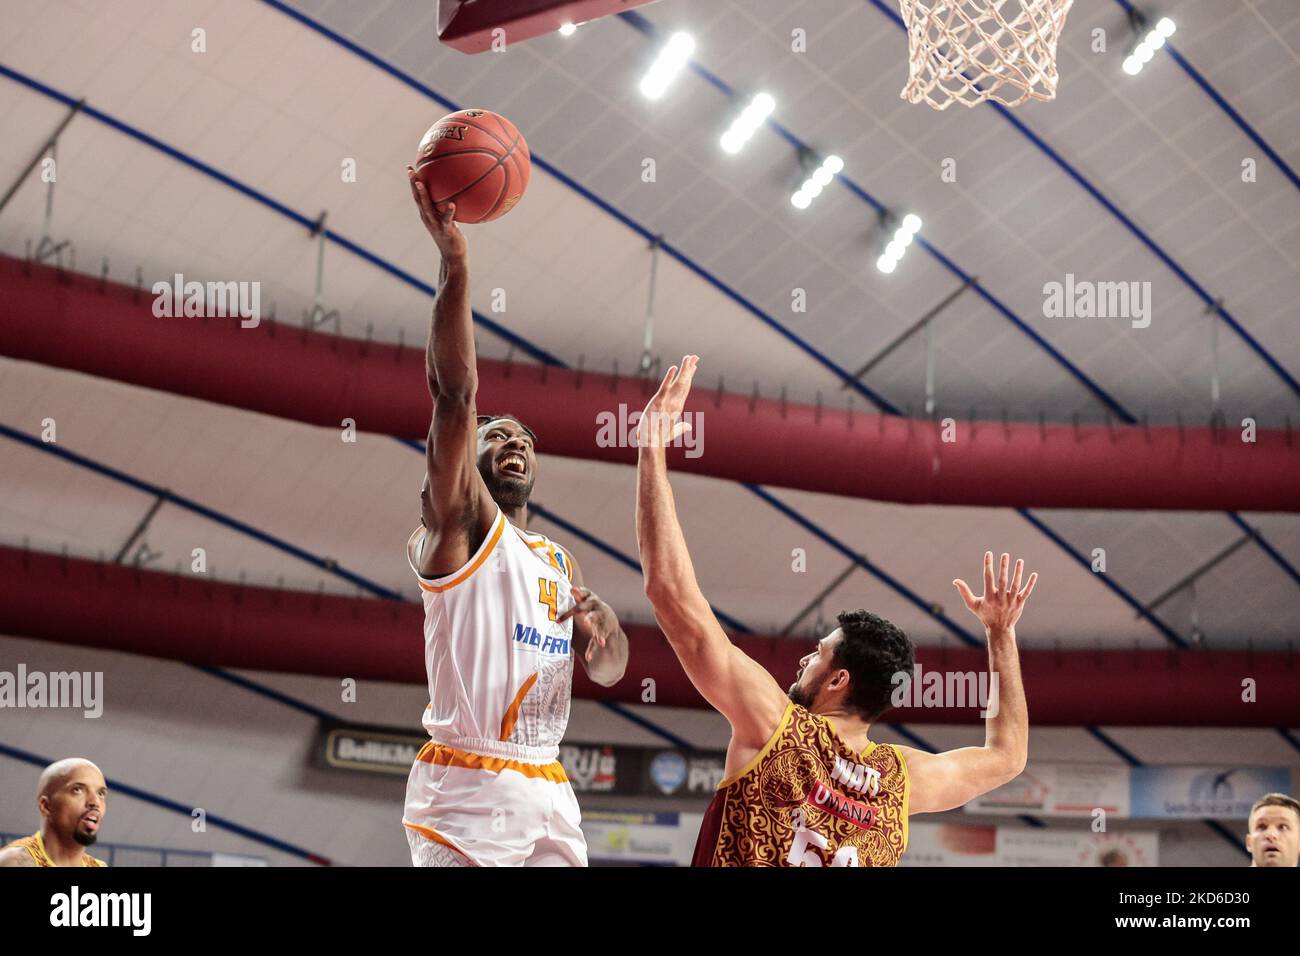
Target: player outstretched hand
{"x":999,"y":607}
{"x":438,"y":220}
{"x":661,"y":423}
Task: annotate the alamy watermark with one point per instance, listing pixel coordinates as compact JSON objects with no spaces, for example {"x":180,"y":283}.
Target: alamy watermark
{"x":211,"y":300}
{"x":946,"y":689}
{"x":1084,"y":299}
{"x":618,"y":430}
{"x":130,"y":910}
{"x":76,"y":689}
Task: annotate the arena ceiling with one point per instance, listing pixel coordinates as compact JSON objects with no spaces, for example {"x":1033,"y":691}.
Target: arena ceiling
{"x":214,"y":164}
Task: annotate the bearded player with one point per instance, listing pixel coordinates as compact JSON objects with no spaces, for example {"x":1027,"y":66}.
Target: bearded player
{"x":803,"y":784}
{"x":72,"y":797}
{"x":505,"y":614}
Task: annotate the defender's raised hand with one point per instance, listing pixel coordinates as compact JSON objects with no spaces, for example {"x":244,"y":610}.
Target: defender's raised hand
{"x":661,"y":422}
{"x":999,"y":607}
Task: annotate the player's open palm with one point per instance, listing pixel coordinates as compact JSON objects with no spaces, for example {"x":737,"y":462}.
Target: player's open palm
{"x":999,"y":607}
{"x":661,"y":423}
{"x":438,"y":220}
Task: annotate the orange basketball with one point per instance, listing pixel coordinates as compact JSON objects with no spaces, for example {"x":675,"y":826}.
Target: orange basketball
{"x":476,"y":159}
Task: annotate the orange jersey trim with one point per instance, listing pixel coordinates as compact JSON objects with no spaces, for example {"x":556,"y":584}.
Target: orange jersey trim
{"x":555,"y":551}
{"x":474,"y":566}
{"x":440,"y":755}
{"x":512,"y":712}
{"x":435,"y":836}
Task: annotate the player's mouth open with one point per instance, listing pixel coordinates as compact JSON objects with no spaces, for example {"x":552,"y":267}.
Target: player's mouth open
{"x":91,"y":822}
{"x":513,"y":464}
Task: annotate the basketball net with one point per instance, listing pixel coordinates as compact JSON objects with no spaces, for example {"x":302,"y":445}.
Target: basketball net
{"x":966,"y":51}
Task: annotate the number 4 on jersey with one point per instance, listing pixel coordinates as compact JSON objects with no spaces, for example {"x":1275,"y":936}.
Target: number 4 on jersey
{"x":547,"y":593}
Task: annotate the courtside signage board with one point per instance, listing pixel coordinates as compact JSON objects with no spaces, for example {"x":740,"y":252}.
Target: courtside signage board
{"x":591,"y":768}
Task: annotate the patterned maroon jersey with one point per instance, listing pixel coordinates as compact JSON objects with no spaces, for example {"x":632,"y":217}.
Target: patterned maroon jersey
{"x":806,"y":799}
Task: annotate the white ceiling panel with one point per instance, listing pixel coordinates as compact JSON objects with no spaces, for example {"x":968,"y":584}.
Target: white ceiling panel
{"x":280,"y":107}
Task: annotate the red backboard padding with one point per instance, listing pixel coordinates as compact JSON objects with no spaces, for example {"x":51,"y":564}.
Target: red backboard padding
{"x":467,"y":25}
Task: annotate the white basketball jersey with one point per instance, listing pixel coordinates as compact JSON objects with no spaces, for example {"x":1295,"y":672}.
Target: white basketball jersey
{"x":500,"y":667}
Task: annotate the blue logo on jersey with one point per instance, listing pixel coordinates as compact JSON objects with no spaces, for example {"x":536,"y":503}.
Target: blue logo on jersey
{"x":546,"y":643}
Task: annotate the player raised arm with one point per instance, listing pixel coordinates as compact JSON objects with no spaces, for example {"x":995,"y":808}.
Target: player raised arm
{"x":455,"y":504}
{"x":948,"y":780}
{"x":730,"y":680}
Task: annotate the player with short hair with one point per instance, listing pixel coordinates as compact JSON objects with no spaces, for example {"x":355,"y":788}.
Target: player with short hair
{"x":72,"y":797}
{"x":505,"y":615}
{"x":803,"y":783}
{"x":1273,"y":831}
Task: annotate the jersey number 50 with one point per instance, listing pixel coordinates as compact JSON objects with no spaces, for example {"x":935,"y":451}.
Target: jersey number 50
{"x":801,"y":854}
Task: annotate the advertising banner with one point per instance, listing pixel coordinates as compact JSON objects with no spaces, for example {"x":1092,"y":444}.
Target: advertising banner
{"x":1065,"y":790}
{"x":663,"y":839}
{"x":953,"y":844}
{"x":1203,"y":792}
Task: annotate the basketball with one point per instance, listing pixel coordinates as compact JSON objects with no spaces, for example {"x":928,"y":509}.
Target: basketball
{"x":476,"y":159}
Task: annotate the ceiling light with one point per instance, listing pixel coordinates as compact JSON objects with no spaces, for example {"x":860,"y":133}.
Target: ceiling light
{"x":675,"y":54}
{"x":1142,"y":54}
{"x":744,"y":125}
{"x":814,"y":184}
